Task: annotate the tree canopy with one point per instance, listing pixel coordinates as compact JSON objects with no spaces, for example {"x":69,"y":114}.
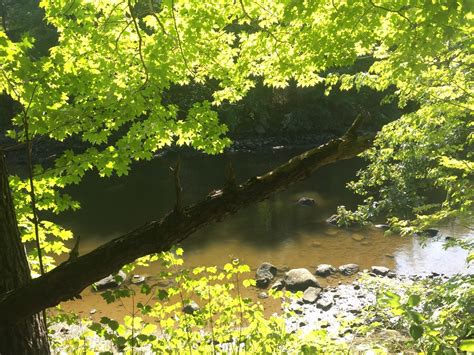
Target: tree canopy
{"x":105,"y":83}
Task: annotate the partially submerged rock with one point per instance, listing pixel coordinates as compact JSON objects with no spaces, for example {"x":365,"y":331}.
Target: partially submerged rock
{"x":265,"y":273}
{"x":111,"y":281}
{"x":325,"y":270}
{"x":380,"y":270}
{"x":300,"y":280}
{"x":431,"y":232}
{"x":358,"y":237}
{"x":333,"y":220}
{"x":306,"y":201}
{"x":349,"y":269}
{"x":262,"y":282}
{"x":137,"y":279}
{"x":278,"y":285}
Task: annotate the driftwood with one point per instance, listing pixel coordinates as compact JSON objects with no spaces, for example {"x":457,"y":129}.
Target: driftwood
{"x":70,"y":278}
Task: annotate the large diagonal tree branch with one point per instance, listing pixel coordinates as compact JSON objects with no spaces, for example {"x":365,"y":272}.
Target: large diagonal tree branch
{"x":69,"y":279}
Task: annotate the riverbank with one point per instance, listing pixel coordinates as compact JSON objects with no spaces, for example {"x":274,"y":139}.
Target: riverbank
{"x":347,"y":314}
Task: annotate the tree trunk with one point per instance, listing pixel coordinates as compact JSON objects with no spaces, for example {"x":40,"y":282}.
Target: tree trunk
{"x":70,"y":278}
{"x":29,"y":335}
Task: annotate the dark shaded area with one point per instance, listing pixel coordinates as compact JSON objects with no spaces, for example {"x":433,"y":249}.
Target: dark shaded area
{"x":19,"y":18}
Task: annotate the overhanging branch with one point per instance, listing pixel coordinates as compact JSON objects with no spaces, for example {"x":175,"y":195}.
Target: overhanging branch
{"x":69,"y":279}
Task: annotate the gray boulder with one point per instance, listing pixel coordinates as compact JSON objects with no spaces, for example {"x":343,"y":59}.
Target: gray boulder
{"x":111,"y":281}
{"x":265,"y":273}
{"x":265,"y":268}
{"x":325,"y":270}
{"x":311,"y":294}
{"x":349,"y":269}
{"x":380,"y":270}
{"x":300,"y":280}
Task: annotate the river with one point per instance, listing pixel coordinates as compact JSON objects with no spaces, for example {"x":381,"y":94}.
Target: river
{"x":277,"y":230}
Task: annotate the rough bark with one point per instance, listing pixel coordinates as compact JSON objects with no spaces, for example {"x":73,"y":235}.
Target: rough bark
{"x":28,"y":335}
{"x":69,"y":279}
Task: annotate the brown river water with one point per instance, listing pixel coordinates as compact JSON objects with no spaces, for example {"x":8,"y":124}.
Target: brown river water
{"x":276,"y":230}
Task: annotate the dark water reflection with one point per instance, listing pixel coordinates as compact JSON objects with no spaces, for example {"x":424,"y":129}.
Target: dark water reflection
{"x":276,"y":230}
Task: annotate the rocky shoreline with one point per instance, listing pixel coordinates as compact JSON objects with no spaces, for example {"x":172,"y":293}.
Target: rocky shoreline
{"x":343,"y":309}
{"x":337,"y":310}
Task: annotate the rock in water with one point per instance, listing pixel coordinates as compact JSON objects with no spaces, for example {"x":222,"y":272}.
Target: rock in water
{"x":300,"y":280}
{"x":358,"y":237}
{"x":265,"y":273}
{"x":278,"y":285}
{"x":137,"y":279}
{"x":348,"y":269}
{"x":191,"y":308}
{"x":306,"y":201}
{"x":266,"y":267}
{"x":391,"y":274}
{"x":325,"y":270}
{"x":380,"y":270}
{"x":262,"y":283}
{"x":332,"y":220}
{"x":111,"y":281}
{"x":311,"y":294}
{"x":431,"y":232}
{"x":382,"y":226}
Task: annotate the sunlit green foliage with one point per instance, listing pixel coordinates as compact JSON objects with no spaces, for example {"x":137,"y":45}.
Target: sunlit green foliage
{"x":226,"y":322}
{"x":104,"y":82}
{"x":436,"y":315}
